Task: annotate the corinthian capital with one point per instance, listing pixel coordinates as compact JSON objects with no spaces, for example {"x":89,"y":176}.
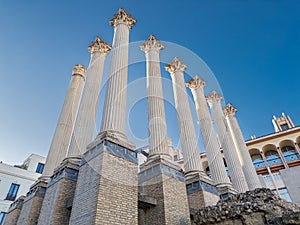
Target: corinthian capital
{"x":124,"y":18}
{"x":175,"y":65}
{"x":229,"y":110}
{"x":214,"y":97}
{"x":152,"y":44}
{"x":99,"y":46}
{"x":79,"y":69}
{"x":195,"y":83}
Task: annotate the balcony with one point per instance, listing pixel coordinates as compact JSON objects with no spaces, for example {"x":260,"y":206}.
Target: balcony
{"x":259,"y":165}
{"x":274,"y":161}
{"x":291,"y":156}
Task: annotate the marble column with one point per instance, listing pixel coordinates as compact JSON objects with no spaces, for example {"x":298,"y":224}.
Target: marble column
{"x":109,"y":164}
{"x":63,"y":131}
{"x":232,"y":158}
{"x":210,"y":139}
{"x":114,"y":112}
{"x":158,"y":144}
{"x":246,"y":161}
{"x":86,"y":116}
{"x":188,"y":138}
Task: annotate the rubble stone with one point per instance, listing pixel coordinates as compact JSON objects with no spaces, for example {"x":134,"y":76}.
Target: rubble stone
{"x":258,"y":207}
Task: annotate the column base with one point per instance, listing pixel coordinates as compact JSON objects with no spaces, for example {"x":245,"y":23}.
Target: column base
{"x":32,"y":204}
{"x":161,"y":179}
{"x":114,"y":137}
{"x":226,"y":190}
{"x":106,"y":191}
{"x":200,"y":174}
{"x":201,"y":191}
{"x":14,"y":211}
{"x":57,"y":204}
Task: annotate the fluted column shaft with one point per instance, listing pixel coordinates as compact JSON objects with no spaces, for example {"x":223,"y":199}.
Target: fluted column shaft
{"x":158,"y":144}
{"x":246,"y":161}
{"x":209,"y":137}
{"x":63,"y":131}
{"x":230,"y":153}
{"x":188,"y":138}
{"x":114,"y":112}
{"x":86,"y":116}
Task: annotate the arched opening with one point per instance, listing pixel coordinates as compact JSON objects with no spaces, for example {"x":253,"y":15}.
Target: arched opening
{"x":257,"y":159}
{"x":272,"y":155}
{"x":289,"y":151}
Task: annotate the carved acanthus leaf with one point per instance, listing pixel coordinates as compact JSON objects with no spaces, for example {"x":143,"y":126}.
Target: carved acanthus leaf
{"x":214,"y":97}
{"x":175,"y":65}
{"x":99,"y":46}
{"x":229,"y":110}
{"x":79,"y":69}
{"x":195,"y":83}
{"x":124,"y":18}
{"x":152,"y":44}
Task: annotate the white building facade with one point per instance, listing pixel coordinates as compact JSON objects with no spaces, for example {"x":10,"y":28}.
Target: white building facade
{"x":15,"y":181}
{"x":276,"y":157}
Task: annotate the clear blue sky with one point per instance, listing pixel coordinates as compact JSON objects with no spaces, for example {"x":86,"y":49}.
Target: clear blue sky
{"x":252,"y":47}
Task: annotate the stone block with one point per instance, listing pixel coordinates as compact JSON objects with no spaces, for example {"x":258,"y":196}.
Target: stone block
{"x":162,"y":179}
{"x":32,"y":204}
{"x":107,"y":188}
{"x":14,"y":211}
{"x":60,"y":191}
{"x":201,"y":192}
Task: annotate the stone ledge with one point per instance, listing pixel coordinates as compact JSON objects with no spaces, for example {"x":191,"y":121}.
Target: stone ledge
{"x":159,"y":166}
{"x":37,"y":189}
{"x":111,"y":148}
{"x":145,"y":201}
{"x":201,"y":186}
{"x":17,"y":204}
{"x":67,"y":173}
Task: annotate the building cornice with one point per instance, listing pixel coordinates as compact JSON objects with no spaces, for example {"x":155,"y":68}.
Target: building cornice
{"x":28,"y":175}
{"x":273,"y":136}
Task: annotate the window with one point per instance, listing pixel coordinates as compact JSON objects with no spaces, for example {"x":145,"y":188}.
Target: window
{"x":267,"y":178}
{"x":277,"y":176}
{"x":40,"y":168}
{"x":284,"y":127}
{"x":12,"y":193}
{"x":2,"y":217}
{"x":284,"y":194}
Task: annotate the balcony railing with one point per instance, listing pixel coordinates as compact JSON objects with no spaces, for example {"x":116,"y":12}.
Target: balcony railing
{"x":259,"y":165}
{"x":291,"y":156}
{"x":274,"y":161}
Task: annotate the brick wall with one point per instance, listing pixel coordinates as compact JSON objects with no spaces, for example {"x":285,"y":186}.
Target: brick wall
{"x":12,"y":217}
{"x":54,"y":209}
{"x":201,"y":198}
{"x":30,"y":211}
{"x":106,"y":192}
{"x":172,"y":205}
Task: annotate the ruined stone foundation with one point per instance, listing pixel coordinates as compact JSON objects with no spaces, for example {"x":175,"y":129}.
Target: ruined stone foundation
{"x":258,"y":207}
